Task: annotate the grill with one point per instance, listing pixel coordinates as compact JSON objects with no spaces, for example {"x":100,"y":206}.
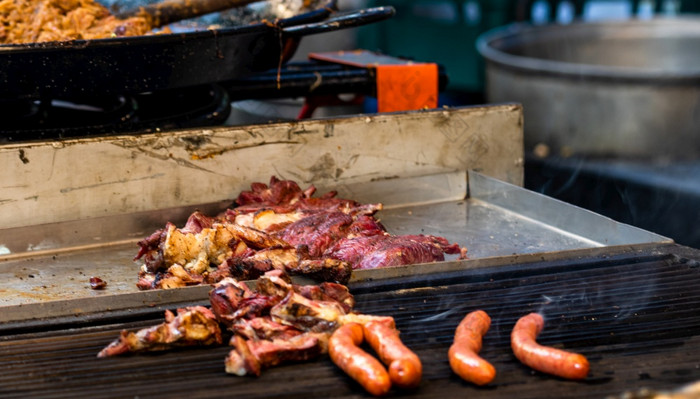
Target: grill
{"x":633,"y":315}
{"x":624,"y":297}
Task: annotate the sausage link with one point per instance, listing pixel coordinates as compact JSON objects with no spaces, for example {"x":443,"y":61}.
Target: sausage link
{"x":343,"y":347}
{"x":542,"y":358}
{"x":405,"y":368}
{"x":463,"y":353}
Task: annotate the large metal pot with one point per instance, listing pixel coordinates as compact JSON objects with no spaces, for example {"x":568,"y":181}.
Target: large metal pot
{"x":624,"y":88}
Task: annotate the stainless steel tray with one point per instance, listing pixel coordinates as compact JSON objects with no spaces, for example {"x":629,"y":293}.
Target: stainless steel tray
{"x":498,"y":222}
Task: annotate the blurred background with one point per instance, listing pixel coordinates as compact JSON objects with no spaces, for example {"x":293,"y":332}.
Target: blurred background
{"x":610,"y":89}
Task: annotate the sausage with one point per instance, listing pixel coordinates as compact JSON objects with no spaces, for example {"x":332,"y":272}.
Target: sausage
{"x":542,"y":358}
{"x":405,"y":368}
{"x":343,"y":347}
{"x":463,"y":354}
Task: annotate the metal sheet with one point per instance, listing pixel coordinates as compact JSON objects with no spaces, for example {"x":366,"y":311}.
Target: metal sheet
{"x":57,"y":181}
{"x":496,"y":221}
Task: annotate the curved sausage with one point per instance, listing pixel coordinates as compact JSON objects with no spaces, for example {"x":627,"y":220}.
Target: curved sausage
{"x":463,"y":353}
{"x":405,"y":368}
{"x":542,"y":358}
{"x":343,"y":347}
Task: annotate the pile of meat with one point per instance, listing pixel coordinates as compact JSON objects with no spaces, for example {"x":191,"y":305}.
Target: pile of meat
{"x":29,"y":21}
{"x":276,"y":322}
{"x":281,"y":227}
{"x":281,"y":322}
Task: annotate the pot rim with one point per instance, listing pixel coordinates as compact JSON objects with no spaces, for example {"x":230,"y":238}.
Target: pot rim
{"x":523,"y":32}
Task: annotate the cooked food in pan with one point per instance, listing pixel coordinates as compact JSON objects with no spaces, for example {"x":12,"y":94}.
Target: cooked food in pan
{"x":29,"y":21}
{"x":281,"y":322}
{"x":281,"y":227}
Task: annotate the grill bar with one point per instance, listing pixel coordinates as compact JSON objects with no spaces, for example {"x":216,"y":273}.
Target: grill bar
{"x":635,"y":317}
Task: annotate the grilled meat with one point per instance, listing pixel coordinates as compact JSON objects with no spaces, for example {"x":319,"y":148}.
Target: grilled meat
{"x":249,"y":357}
{"x":371,"y":252}
{"x":317,"y":231}
{"x":306,"y":314}
{"x":284,"y":196}
{"x":281,"y":227}
{"x":232,"y":300}
{"x":277,"y":322}
{"x":263,"y":327}
{"x":191,"y":326}
{"x":328,"y":292}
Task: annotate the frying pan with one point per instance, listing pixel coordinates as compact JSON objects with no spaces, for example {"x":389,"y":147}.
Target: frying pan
{"x":84,"y":69}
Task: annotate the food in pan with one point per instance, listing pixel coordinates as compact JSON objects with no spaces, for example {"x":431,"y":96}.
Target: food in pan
{"x":281,"y":227}
{"x":29,"y":21}
{"x":280,"y":322}
{"x":464,"y":352}
{"x":542,"y":358}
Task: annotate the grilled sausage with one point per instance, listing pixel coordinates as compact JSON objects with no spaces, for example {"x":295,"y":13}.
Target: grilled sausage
{"x":463,"y":353}
{"x":405,"y":368}
{"x":542,"y":358}
{"x":343,"y":347}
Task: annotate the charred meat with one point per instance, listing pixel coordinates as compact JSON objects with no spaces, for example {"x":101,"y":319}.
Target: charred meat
{"x":281,"y":227}
{"x":273,"y":323}
{"x":190,"y":327}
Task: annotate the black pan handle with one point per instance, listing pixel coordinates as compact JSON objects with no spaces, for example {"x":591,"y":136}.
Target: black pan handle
{"x":340,"y":20}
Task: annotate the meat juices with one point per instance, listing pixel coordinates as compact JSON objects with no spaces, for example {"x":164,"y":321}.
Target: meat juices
{"x":463,"y":354}
{"x":344,"y":350}
{"x":542,"y":358}
{"x":405,"y":368}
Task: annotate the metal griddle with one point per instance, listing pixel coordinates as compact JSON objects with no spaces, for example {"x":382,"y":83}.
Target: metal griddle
{"x":624,"y":297}
{"x":495,"y":221}
{"x":634,"y":315}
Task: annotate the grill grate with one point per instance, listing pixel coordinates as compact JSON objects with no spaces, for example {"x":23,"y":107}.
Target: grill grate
{"x":635,"y":317}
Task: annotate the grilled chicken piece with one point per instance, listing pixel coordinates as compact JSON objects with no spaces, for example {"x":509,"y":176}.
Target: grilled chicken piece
{"x":232,"y":300}
{"x":329,"y":292}
{"x":197,"y":251}
{"x":192,"y":326}
{"x":251,"y":356}
{"x":268,"y":220}
{"x":263,"y":328}
{"x":276,"y":283}
{"x":200,"y":251}
{"x":307,"y":315}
